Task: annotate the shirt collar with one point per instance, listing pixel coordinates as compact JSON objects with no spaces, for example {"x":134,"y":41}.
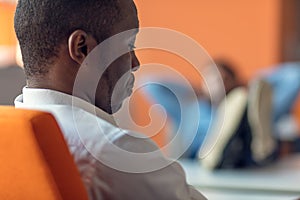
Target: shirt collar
{"x":37,"y":96}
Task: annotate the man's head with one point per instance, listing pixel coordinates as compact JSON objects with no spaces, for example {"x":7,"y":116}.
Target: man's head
{"x":220,"y":84}
{"x":56,"y":36}
{"x":229,"y":76}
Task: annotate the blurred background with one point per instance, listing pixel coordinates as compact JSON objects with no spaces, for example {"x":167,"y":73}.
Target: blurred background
{"x":252,"y":35}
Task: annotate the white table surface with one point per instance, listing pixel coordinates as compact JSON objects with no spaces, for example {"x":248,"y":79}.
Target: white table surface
{"x":280,"y":180}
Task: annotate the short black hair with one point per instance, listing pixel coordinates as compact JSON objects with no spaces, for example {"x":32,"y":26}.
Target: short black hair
{"x":42,"y":26}
{"x":226,"y":67}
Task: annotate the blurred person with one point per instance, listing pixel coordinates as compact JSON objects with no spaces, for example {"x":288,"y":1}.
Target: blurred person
{"x":285,"y":81}
{"x":162,"y":92}
{"x":243,"y":146}
{"x":54,"y":45}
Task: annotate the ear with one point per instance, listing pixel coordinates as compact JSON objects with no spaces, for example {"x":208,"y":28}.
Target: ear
{"x":80,"y":44}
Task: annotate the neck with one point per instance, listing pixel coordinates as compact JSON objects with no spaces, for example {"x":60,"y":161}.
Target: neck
{"x":59,"y":78}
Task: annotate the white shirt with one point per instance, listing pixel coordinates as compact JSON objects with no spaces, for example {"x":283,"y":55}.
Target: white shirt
{"x":114,"y":163}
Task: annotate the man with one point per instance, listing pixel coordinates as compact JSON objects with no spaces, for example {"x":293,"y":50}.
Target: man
{"x":57,"y":38}
{"x":245,"y":140}
{"x":162,"y":93}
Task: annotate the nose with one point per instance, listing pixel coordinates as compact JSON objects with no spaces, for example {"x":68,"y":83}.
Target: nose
{"x":134,"y":62}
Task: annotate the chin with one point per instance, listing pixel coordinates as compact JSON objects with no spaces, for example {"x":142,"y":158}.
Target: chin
{"x":117,"y":105}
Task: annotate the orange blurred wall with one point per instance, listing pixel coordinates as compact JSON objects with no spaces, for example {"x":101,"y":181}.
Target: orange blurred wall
{"x":7,"y":33}
{"x":245,"y":32}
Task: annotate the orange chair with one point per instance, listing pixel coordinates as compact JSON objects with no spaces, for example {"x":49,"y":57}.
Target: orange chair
{"x":35,"y":160}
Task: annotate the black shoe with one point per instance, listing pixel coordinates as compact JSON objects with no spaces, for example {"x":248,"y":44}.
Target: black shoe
{"x":224,"y":145}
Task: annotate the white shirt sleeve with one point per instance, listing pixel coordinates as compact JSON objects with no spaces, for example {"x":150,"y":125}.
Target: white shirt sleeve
{"x":165,"y":183}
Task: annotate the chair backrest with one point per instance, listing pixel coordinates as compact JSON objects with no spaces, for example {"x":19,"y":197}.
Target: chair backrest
{"x":35,"y":160}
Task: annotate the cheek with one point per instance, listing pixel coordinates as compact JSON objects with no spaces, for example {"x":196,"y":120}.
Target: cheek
{"x":121,"y":67}
{"x":125,"y":62}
